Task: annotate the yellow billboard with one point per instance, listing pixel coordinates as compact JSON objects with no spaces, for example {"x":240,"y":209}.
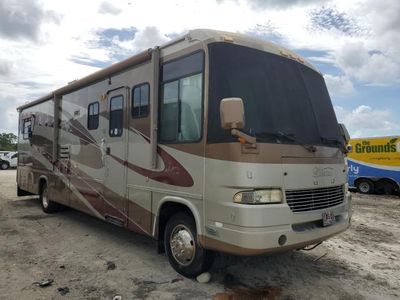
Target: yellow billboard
{"x":384,"y":151}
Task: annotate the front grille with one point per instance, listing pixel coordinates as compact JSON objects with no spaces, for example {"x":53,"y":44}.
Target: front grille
{"x":313,"y":199}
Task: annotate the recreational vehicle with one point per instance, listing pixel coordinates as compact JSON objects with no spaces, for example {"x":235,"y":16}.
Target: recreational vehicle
{"x":214,"y":141}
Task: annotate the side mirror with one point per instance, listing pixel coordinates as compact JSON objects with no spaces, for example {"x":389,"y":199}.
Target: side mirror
{"x":232,"y":113}
{"x":344,"y":132}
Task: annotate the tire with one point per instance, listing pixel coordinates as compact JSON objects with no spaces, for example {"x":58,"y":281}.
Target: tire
{"x":365,"y":186}
{"x":48,"y":206}
{"x":4,"y":165}
{"x":181,"y":230}
{"x":388,"y":188}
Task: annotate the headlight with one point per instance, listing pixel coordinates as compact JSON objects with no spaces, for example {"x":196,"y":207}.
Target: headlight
{"x":259,"y":196}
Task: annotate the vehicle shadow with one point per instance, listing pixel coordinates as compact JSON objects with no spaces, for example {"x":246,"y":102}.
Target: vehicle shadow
{"x":273,"y":276}
{"x":291,"y":275}
{"x":31,"y":209}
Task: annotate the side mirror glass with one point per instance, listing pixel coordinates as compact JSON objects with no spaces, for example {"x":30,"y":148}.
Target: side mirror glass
{"x":232,"y":113}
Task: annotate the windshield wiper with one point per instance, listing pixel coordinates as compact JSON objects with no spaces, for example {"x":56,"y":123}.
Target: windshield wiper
{"x":308,"y":147}
{"x":290,"y":137}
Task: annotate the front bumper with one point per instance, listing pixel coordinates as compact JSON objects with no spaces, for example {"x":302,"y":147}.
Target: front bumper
{"x":299,"y":230}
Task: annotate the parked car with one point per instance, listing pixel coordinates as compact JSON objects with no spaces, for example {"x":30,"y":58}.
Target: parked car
{"x":9,"y":161}
{"x":3,"y":153}
{"x":3,"y":164}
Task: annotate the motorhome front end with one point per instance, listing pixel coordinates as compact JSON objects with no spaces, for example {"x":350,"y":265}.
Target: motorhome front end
{"x":272,"y":194}
{"x":214,"y":141}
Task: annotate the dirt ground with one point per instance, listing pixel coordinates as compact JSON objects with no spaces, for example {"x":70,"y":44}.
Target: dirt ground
{"x":96,"y":260}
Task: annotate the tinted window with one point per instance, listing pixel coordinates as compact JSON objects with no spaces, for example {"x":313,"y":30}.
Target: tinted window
{"x":181,"y":100}
{"x":320,"y":100}
{"x":140,"y":101}
{"x":284,"y":101}
{"x":182,"y":67}
{"x":116,"y":115}
{"x":26,"y":128}
{"x":169,"y":111}
{"x":93,"y":116}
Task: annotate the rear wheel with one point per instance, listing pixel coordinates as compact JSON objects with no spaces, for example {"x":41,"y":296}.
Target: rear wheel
{"x":48,"y":206}
{"x":4,"y":165}
{"x":184,"y":253}
{"x":365,"y":186}
{"x":388,"y":188}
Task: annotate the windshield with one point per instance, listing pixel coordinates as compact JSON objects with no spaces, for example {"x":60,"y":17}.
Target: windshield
{"x":284,"y":101}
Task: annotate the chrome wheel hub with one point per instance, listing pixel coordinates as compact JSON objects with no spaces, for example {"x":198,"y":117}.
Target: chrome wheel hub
{"x":364,"y":187}
{"x":182,"y":245}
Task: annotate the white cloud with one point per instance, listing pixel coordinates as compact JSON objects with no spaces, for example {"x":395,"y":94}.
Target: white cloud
{"x":65,"y":48}
{"x":5,"y":67}
{"x":383,"y":20}
{"x":9,"y":119}
{"x":277,"y":4}
{"x":23,"y":19}
{"x":365,"y":121}
{"x":108,"y":8}
{"x":144,"y":39}
{"x":368,"y":67}
{"x":339,"y":85}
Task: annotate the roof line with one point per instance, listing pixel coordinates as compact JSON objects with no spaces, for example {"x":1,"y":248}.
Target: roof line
{"x":94,"y":77}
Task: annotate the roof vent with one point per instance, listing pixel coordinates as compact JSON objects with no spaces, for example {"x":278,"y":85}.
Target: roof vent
{"x":226,"y":38}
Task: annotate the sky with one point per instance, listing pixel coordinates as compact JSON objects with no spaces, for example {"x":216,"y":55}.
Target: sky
{"x":355,"y":45}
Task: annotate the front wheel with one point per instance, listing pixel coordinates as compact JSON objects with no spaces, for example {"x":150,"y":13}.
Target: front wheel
{"x":365,"y":186}
{"x":184,"y":253}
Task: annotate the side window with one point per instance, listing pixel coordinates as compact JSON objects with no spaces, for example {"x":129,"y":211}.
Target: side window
{"x":26,"y":128}
{"x":182,"y":99}
{"x":116,"y":115}
{"x":140,"y":100}
{"x":169,"y":111}
{"x":93,"y":116}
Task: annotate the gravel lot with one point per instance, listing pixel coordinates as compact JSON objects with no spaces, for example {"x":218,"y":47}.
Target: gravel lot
{"x":96,"y":260}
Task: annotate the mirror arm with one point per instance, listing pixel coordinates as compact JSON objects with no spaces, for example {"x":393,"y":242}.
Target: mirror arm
{"x":249,"y":139}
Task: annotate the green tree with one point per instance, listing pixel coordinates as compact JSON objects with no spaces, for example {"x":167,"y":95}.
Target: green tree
{"x":8,"y":142}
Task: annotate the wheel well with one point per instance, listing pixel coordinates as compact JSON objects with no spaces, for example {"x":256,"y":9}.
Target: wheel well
{"x":363,"y":178}
{"x":42,"y":182}
{"x":167,"y":210}
{"x":381,"y":183}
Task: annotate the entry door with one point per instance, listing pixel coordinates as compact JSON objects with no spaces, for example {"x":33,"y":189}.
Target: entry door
{"x":114,"y":146}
